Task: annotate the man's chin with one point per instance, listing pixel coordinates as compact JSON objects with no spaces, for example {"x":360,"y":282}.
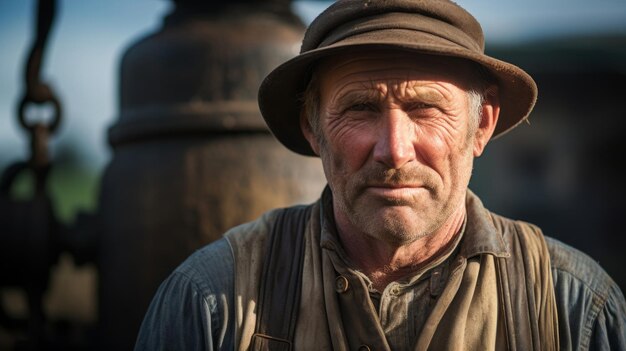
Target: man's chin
{"x":397,"y":235}
{"x":393,"y":224}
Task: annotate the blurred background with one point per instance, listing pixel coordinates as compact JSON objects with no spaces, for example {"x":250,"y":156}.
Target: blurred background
{"x":562,"y":171}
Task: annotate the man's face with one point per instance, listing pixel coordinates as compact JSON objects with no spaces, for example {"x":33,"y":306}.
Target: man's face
{"x":396,"y":142}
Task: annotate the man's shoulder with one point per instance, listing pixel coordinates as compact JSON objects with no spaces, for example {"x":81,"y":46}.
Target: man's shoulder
{"x":252,"y":234}
{"x":591,"y":306}
{"x":209,"y":269}
{"x":570,"y":266}
{"x":576,"y":267}
{"x":215,"y":262}
{"x":249,"y":238}
{"x":576,"y":276}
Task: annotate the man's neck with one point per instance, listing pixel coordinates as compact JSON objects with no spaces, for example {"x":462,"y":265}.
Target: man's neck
{"x":384,"y":262}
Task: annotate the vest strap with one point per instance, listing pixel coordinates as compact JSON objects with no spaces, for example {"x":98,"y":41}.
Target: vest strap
{"x":526,"y":291}
{"x":281,"y":283}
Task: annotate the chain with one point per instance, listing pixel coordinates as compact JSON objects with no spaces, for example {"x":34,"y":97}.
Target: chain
{"x":29,"y":231}
{"x":38,"y":92}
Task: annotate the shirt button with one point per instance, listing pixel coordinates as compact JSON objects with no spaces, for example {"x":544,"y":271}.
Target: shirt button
{"x":395,"y":290}
{"x":364,"y":348}
{"x":341,"y":284}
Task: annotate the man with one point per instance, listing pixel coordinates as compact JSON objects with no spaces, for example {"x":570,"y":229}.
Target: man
{"x":397,"y":98}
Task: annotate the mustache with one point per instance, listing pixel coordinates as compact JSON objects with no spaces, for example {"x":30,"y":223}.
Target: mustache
{"x":379,"y":175}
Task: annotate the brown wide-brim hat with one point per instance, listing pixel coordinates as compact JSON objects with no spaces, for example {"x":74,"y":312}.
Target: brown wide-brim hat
{"x":426,"y":27}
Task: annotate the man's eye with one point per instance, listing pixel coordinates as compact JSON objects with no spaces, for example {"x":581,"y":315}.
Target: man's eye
{"x":361,"y":107}
{"x":420,"y":106}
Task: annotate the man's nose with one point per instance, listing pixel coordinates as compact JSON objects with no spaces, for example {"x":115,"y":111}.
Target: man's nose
{"x":395,"y":145}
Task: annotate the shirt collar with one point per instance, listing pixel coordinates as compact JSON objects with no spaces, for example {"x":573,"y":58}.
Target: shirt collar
{"x":329,"y":237}
{"x":481,"y":235}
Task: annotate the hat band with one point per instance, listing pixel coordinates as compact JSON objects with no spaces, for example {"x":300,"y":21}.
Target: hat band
{"x":403,"y":21}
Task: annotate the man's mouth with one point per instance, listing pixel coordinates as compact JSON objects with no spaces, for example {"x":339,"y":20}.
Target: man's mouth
{"x":395,"y":190}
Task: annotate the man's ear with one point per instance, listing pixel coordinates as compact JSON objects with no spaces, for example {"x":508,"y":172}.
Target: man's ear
{"x":489,"y":119}
{"x":309,"y":135}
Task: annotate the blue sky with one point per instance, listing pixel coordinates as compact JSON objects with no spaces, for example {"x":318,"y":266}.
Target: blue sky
{"x":90,"y":36}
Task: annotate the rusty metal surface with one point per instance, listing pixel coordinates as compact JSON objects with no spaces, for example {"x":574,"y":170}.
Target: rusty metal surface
{"x":201,"y":73}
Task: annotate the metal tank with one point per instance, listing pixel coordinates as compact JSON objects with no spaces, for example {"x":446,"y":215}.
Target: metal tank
{"x":192,"y":156}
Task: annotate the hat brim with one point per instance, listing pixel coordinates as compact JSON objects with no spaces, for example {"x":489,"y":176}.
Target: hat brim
{"x":281,"y":91}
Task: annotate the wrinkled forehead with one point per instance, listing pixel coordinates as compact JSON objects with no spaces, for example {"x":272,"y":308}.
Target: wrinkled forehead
{"x":400,"y":65}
